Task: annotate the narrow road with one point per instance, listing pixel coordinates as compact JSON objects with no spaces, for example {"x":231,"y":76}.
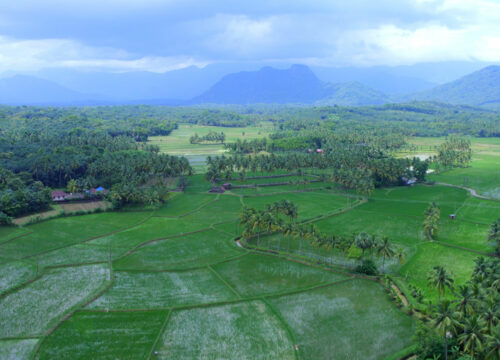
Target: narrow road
{"x":470,"y":190}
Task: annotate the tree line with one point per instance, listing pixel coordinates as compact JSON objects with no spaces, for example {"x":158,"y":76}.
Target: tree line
{"x":256,"y":222}
{"x":467,"y":326}
{"x":212,"y":136}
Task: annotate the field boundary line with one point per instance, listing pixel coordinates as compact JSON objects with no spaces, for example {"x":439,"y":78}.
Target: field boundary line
{"x":189,"y":212}
{"x":226,"y":302}
{"x":224,"y":281}
{"x":438,"y":242}
{"x":285,"y":325}
{"x":301,"y":260}
{"x":335,"y":213}
{"x":148,"y":242}
{"x":313,"y":287}
{"x":17,"y":237}
{"x":33,"y":337}
{"x":59,"y":321}
{"x":177,"y":270}
{"x":90,"y":239}
{"x":162,"y":329}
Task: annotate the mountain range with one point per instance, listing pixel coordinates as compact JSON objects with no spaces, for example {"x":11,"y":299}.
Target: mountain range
{"x":297,"y":84}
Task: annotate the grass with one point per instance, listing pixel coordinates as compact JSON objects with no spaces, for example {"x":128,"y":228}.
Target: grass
{"x":184,"y":203}
{"x":189,"y":251}
{"x":17,"y":349}
{"x":226,"y":208}
{"x":152,"y":229}
{"x":224,"y":301}
{"x":459,"y":262}
{"x":15,"y":273}
{"x":254,"y":275}
{"x":33,"y":310}
{"x":483,"y":175}
{"x":177,"y":143}
{"x":160,"y":290}
{"x":310,"y":204}
{"x":78,"y":254}
{"x":246,"y":330}
{"x":350,"y":320}
{"x":61,"y":232}
{"x":9,"y":232}
{"x":98,"y":335}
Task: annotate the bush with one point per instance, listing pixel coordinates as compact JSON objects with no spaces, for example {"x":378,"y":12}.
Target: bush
{"x":367,"y":267}
{"x":5,"y":219}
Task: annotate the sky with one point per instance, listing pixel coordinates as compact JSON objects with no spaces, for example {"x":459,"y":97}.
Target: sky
{"x":164,"y":35}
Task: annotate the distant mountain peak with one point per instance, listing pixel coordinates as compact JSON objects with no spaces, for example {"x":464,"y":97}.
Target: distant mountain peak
{"x":480,"y":88}
{"x":298,"y":84}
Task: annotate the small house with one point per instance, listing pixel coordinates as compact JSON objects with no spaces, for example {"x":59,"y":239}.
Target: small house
{"x":58,"y":195}
{"x":226,"y":186}
{"x":452,"y":216}
{"x":97,"y":191}
{"x":412,"y":181}
{"x":75,"y":196}
{"x":319,"y":151}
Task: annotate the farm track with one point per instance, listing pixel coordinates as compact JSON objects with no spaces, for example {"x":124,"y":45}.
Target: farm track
{"x":470,"y":190}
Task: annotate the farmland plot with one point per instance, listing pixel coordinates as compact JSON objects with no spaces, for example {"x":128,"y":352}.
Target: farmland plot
{"x":99,"y":335}
{"x":350,"y":320}
{"x":181,"y":253}
{"x":14,"y":273}
{"x":33,"y":309}
{"x":247,"y":330}
{"x":254,"y":275}
{"x":17,"y":349}
{"x":156,"y":290}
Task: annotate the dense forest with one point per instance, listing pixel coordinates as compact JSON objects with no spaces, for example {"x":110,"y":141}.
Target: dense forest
{"x":106,"y":146}
{"x":49,"y":147}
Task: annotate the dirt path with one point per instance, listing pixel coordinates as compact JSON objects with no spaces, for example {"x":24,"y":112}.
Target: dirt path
{"x":470,"y":190}
{"x":400,"y":294}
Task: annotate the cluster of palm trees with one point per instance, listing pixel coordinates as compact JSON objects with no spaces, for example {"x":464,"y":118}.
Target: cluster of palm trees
{"x":470,"y":322}
{"x":494,"y":235}
{"x":454,"y":152}
{"x":256,"y":222}
{"x":212,"y":136}
{"x":431,"y":221}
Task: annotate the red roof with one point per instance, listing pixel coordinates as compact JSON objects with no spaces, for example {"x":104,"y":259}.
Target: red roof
{"x":58,"y":193}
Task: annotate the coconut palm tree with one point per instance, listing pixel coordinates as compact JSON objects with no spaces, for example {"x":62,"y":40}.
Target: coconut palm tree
{"x":465,"y":305}
{"x":493,"y":344}
{"x":385,"y":250}
{"x":445,"y":320}
{"x":364,"y":241}
{"x":439,"y":278}
{"x":472,"y":339}
{"x":257,"y":222}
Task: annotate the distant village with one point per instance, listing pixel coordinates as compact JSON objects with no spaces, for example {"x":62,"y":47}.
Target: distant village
{"x":91,"y":194}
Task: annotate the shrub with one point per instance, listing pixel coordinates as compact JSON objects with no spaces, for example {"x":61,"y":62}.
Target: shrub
{"x":367,"y":267}
{"x":5,"y":219}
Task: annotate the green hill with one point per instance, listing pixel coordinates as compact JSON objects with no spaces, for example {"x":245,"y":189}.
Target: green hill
{"x":480,"y":88}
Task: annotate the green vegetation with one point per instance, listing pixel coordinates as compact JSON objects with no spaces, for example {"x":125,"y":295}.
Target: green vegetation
{"x":123,"y":335}
{"x":333,"y":322}
{"x":237,"y":331}
{"x":56,"y":292}
{"x":341,"y":236}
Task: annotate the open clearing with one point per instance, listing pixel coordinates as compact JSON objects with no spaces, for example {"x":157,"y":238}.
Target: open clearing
{"x":177,"y":143}
{"x":179,"y":284}
{"x":241,"y":331}
{"x":344,"y":321}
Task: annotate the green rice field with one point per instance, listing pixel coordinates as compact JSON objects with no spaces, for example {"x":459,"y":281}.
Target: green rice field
{"x":172,"y":283}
